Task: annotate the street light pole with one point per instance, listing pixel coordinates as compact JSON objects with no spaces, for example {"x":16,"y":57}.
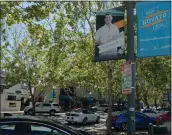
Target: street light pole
{"x":131,"y":57}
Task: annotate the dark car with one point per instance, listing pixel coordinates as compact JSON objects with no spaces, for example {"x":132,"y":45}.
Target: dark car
{"x":29,"y":125}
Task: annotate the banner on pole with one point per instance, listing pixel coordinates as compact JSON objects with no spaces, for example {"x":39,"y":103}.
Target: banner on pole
{"x":126,"y":77}
{"x":153,"y":28}
{"x":110,"y":34}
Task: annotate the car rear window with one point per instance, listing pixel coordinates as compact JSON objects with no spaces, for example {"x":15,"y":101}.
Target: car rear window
{"x":56,"y":105}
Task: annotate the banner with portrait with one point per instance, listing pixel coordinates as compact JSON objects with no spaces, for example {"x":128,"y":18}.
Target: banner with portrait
{"x":110,"y":43}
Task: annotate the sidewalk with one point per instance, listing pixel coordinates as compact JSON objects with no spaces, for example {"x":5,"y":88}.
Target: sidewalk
{"x":12,"y":112}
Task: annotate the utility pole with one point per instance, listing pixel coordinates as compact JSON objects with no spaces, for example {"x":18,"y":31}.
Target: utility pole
{"x":109,"y":121}
{"x":131,"y":57}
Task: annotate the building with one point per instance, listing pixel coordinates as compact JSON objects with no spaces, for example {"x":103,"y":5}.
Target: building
{"x":69,"y":98}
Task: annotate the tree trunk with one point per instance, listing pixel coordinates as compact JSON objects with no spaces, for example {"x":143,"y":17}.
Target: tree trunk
{"x":32,"y":98}
{"x":146,"y":101}
{"x":109,"y":121}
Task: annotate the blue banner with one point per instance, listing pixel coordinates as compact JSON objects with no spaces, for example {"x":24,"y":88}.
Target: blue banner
{"x":153,"y":28}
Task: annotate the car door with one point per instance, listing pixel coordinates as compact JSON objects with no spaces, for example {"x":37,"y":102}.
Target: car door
{"x":142,"y":121}
{"x":38,"y":108}
{"x":87,"y":114}
{"x":46,"y":108}
{"x":92,"y":116}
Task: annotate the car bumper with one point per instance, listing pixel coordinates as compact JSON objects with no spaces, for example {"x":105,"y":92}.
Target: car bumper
{"x":73,"y":119}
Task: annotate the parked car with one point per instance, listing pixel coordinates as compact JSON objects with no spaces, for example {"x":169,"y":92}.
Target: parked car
{"x":142,"y":121}
{"x":163,"y":110}
{"x":43,"y":108}
{"x":82,"y":116}
{"x":165,"y":119}
{"x":151,"y":113}
{"x":101,"y":107}
{"x":29,"y":125}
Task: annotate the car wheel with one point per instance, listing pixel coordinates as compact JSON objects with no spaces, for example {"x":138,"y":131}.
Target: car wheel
{"x":30,"y":112}
{"x":124,"y":126}
{"x":98,"y":120}
{"x":52,"y":112}
{"x":84,"y":122}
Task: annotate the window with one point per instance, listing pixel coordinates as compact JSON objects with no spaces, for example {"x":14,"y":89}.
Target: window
{"x":18,"y":92}
{"x":57,"y":105}
{"x":46,"y":105}
{"x":141,"y":115}
{"x":11,"y":98}
{"x":7,"y":126}
{"x":21,"y":128}
{"x":148,"y":111}
{"x":43,"y":130}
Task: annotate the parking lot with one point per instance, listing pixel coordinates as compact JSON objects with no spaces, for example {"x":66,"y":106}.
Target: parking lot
{"x":92,"y":128}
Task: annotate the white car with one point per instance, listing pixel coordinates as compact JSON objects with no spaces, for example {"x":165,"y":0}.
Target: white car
{"x":151,"y":113}
{"x":82,"y":116}
{"x":101,"y":107}
{"x":43,"y":108}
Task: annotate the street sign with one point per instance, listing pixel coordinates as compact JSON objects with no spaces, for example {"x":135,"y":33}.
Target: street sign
{"x":153,"y":28}
{"x":126,"y":78}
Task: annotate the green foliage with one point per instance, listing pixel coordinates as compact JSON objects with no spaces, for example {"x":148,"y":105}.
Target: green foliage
{"x":58,"y":48}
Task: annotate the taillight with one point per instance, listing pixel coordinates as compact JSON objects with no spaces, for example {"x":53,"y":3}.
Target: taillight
{"x":115,"y":118}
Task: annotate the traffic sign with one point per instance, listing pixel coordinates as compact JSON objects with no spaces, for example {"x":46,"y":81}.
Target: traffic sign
{"x":126,"y":78}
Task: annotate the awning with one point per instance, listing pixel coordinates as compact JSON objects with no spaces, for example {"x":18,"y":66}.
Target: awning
{"x":62,"y":97}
